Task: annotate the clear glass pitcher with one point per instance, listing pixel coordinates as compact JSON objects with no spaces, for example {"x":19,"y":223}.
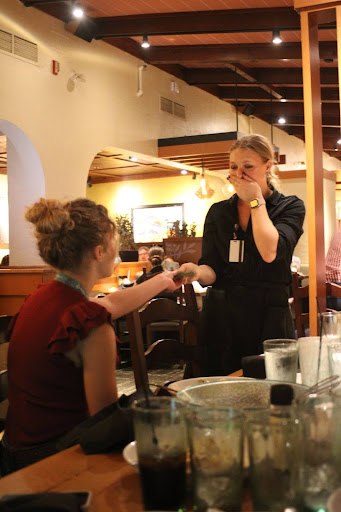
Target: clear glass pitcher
{"x":331,"y":333}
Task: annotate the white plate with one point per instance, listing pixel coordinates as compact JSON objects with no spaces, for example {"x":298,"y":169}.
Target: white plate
{"x":130,"y":454}
{"x":183,"y":384}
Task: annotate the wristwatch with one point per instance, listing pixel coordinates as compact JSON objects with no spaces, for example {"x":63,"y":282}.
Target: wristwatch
{"x":256,"y":203}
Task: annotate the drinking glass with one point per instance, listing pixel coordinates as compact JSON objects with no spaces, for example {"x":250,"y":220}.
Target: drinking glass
{"x":308,"y":353}
{"x":216,"y":447}
{"x":161,"y":439}
{"x":273,"y":444}
{"x":334,"y":358}
{"x":281,"y":358}
{"x":331,"y":333}
{"x":320,"y":466}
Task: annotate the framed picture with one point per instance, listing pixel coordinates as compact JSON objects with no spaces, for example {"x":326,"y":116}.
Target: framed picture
{"x":152,"y":223}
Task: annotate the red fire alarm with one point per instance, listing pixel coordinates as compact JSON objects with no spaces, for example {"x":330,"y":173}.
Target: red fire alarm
{"x":55,"y":67}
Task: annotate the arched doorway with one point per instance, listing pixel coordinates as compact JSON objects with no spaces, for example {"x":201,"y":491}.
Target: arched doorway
{"x":26,"y":184}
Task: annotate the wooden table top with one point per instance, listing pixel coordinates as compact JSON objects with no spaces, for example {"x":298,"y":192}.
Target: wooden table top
{"x":114,"y":483}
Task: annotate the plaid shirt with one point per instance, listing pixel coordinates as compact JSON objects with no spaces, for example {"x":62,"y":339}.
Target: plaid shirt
{"x":333,"y":259}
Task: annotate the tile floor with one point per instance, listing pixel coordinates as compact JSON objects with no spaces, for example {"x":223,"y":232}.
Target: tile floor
{"x":126,"y":383}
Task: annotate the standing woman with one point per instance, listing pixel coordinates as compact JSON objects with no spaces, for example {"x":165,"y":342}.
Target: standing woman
{"x":62,"y":350}
{"x":247,"y":249}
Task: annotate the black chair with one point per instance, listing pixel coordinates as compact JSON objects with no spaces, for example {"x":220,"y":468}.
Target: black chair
{"x":164,"y":353}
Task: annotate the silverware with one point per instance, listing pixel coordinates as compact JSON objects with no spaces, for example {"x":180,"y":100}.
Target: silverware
{"x":320,"y":387}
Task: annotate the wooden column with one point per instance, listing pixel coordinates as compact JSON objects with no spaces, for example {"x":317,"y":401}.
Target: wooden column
{"x":313,"y":141}
{"x":338,"y":38}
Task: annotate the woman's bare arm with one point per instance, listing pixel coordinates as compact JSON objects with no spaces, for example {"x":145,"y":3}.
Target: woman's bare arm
{"x":123,"y":301}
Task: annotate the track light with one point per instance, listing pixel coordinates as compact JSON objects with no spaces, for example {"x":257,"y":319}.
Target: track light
{"x":282,"y":120}
{"x":336,"y":148}
{"x":339,"y":141}
{"x":77,"y":10}
{"x":145,"y":43}
{"x":276,"y":36}
{"x":194,"y":176}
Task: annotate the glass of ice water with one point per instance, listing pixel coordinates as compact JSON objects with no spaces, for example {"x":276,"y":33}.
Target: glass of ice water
{"x":281,"y":359}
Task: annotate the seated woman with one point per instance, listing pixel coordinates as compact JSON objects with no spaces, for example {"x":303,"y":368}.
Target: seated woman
{"x":62,"y":350}
{"x":156,"y":255}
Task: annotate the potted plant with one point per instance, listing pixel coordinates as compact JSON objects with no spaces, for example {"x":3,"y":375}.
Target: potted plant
{"x":125,"y":230}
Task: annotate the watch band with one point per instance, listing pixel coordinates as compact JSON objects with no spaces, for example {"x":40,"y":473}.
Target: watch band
{"x":256,"y":203}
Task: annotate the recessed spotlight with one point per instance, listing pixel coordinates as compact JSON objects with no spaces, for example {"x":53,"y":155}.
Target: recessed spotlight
{"x":282,"y":120}
{"x":283,"y":100}
{"x":145,"y":43}
{"x":77,"y":10}
{"x":183,"y":171}
{"x":133,"y":158}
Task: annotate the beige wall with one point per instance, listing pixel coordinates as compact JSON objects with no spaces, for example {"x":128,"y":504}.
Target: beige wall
{"x":69,"y":121}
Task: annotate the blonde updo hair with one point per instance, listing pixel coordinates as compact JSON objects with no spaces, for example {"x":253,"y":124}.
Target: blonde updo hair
{"x":156,"y":255}
{"x":264,"y":149}
{"x":67,"y":231}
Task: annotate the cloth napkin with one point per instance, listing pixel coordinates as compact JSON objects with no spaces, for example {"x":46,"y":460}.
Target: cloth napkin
{"x":41,"y":502}
{"x":108,"y":430}
{"x":254,"y":366}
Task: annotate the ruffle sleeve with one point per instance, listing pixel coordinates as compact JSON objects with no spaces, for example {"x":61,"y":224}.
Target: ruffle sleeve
{"x":75,"y":324}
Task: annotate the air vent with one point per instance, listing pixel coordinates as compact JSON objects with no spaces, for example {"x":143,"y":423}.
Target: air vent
{"x":6,"y":41}
{"x":179,"y":110}
{"x":166,"y":105}
{"x":18,"y":46}
{"x":173,"y":108}
{"x":25,"y":49}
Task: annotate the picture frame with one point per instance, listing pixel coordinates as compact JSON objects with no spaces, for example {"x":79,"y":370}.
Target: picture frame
{"x":151,"y":223}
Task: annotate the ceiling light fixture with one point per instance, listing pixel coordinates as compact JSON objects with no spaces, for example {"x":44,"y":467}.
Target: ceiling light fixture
{"x":338,"y":141}
{"x":283,"y":100}
{"x":282,"y":120}
{"x":133,"y":158}
{"x":77,"y":9}
{"x":276,"y":36}
{"x":145,"y":43}
{"x":204,"y":191}
{"x":183,"y":171}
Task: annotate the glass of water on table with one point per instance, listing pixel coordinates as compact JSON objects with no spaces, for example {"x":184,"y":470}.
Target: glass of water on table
{"x":281,"y":359}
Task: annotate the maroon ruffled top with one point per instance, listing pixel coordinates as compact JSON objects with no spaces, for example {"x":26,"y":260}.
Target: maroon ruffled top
{"x":46,"y":390}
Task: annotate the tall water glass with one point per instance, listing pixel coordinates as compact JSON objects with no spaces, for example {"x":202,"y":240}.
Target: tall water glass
{"x":281,"y":358}
{"x":216,"y":447}
{"x":331,"y":333}
{"x":320,"y":466}
{"x":308,"y":354}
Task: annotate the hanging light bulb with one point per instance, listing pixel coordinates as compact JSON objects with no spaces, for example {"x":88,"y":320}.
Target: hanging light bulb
{"x":204,"y":191}
{"x":145,"y":43}
{"x":228,"y":189}
{"x":77,"y":10}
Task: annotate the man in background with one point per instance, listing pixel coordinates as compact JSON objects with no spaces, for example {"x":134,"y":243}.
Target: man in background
{"x":143,"y":253}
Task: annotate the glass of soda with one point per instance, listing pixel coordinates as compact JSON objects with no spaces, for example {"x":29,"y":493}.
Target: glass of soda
{"x":161,"y":438}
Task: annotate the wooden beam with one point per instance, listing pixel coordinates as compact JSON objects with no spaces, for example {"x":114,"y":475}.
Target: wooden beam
{"x":312,"y":5}
{"x":202,"y":22}
{"x":338,"y":38}
{"x":313,"y":141}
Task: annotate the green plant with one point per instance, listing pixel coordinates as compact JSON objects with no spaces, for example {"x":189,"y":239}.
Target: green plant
{"x":125,"y":230}
{"x":185,"y":231}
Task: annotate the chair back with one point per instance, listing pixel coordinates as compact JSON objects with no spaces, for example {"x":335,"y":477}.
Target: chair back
{"x":5,"y":320}
{"x":301,"y":297}
{"x":165,"y":352}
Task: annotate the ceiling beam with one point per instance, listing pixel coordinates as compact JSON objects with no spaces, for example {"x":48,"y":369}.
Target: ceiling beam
{"x":200,"y":22}
{"x":233,"y":52}
{"x":328,"y":109}
{"x":327,"y":121}
{"x":283,"y":76}
{"x":255,"y":94}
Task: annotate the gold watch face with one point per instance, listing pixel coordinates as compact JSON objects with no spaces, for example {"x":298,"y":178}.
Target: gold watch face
{"x":254,"y":203}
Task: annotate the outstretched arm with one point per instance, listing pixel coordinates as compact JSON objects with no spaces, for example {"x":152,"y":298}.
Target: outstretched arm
{"x":202,"y":273}
{"x":123,"y":301}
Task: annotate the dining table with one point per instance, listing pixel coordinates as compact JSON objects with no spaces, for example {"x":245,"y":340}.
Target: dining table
{"x":113,"y":483}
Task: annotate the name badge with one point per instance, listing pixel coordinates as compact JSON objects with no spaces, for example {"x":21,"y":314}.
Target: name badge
{"x":236,"y":253}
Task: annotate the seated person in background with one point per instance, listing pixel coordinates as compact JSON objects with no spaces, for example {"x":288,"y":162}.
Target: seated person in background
{"x":62,"y":351}
{"x":169,"y":264}
{"x":143,"y":253}
{"x":5,"y":261}
{"x":333,"y":268}
{"x":156,"y":255}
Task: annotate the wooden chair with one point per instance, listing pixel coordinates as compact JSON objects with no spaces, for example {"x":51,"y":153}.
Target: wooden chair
{"x":301,"y":301}
{"x":164,"y":353}
{"x":5,"y":320}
